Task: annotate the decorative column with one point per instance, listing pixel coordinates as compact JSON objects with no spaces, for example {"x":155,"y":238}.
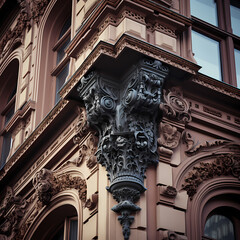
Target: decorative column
{"x":124,"y":112}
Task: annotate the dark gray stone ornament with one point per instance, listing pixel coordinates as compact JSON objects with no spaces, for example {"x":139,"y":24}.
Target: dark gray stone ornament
{"x":124,"y":111}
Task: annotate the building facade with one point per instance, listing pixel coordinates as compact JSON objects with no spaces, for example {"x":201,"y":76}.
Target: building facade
{"x":119,"y":119}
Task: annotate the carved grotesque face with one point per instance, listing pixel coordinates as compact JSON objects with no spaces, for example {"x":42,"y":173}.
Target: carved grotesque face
{"x":42,"y":180}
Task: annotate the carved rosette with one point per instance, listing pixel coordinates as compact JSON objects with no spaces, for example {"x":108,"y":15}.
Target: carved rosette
{"x":175,"y":106}
{"x":223,"y":165}
{"x":125,"y":117}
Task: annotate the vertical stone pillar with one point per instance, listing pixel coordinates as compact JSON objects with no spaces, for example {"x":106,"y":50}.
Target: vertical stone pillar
{"x":124,"y":111}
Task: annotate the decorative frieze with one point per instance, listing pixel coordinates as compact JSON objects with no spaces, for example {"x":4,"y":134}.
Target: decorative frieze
{"x":125,"y":117}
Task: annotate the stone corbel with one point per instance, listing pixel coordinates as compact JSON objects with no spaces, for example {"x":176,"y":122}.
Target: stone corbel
{"x":167,"y":194}
{"x":124,"y":112}
{"x":175,"y":115}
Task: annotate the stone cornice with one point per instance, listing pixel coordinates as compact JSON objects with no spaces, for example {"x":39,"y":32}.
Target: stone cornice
{"x":130,"y":42}
{"x":102,"y":9}
{"x":217,"y":86}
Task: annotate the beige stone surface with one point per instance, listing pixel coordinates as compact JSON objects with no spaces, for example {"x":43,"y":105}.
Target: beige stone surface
{"x":90,"y":228}
{"x":171,"y":219}
{"x":164,"y":174}
{"x":165,"y":41}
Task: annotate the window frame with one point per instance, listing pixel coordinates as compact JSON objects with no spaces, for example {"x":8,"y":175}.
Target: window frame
{"x":223,"y":33}
{"x":59,"y":66}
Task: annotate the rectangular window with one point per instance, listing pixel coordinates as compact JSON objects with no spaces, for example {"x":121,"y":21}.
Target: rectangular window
{"x":7,"y":142}
{"x":205,"y":10}
{"x":60,"y":80}
{"x":207,"y":54}
{"x":235,"y":18}
{"x":237,"y":63}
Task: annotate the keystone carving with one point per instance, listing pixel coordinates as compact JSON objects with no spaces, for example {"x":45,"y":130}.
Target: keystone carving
{"x":124,"y":112}
{"x":48,"y":183}
{"x":223,"y":165}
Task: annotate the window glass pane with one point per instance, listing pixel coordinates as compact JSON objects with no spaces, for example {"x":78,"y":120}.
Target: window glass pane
{"x":9,"y":114}
{"x":237,"y":62}
{"x":61,"y":50}
{"x":73,"y":230}
{"x":207,"y":54}
{"x":235,"y":19}
{"x":7,"y":141}
{"x":205,"y":10}
{"x":219,"y":227}
{"x":60,"y":80}
{"x":66,"y":26}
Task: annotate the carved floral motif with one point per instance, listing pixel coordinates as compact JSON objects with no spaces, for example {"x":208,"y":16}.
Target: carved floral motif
{"x":169,"y":136}
{"x":48,"y":183}
{"x":222,"y":165}
{"x":125,"y":118}
{"x":12,"y":210}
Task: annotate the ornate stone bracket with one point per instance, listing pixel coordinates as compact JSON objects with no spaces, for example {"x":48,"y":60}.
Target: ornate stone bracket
{"x":176,"y":113}
{"x":124,"y":112}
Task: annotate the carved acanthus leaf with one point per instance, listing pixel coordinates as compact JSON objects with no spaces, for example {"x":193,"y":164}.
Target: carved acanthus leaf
{"x":125,"y":117}
{"x":222,"y":165}
{"x":193,"y":146}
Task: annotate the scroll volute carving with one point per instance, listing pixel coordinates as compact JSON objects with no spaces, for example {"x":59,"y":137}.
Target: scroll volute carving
{"x":125,"y":117}
{"x":176,"y":113}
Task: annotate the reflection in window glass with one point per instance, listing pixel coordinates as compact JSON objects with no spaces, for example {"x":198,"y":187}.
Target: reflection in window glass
{"x":205,"y":10}
{"x":219,"y":227}
{"x":60,"y":80}
{"x":207,"y":54}
{"x":235,"y":19}
{"x":237,"y":62}
{"x":73,"y":230}
{"x":61,"y":50}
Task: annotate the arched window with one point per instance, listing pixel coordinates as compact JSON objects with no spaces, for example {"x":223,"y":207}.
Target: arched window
{"x":62,"y":63}
{"x":68,"y":229}
{"x":219,"y":227}
{"x":8,"y":89}
{"x":60,"y":224}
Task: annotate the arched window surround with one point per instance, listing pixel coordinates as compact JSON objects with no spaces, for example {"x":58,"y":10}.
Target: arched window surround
{"x":198,"y":209}
{"x":67,"y":198}
{"x":12,"y":63}
{"x":50,"y":26}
